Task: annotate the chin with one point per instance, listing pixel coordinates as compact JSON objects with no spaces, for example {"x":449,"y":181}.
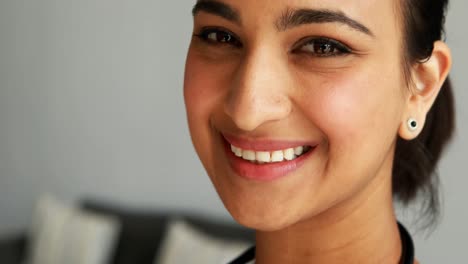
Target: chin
{"x":263,"y":223}
{"x":262,"y":216}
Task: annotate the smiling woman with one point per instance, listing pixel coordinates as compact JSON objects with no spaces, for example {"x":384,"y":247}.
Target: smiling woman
{"x":312,"y":117}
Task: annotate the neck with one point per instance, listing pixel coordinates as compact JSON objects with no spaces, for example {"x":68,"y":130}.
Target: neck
{"x":361,"y":230}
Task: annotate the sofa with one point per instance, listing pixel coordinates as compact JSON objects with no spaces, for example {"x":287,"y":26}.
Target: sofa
{"x":140,"y":235}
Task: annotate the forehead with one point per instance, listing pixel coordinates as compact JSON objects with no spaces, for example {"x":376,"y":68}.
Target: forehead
{"x":378,"y":16}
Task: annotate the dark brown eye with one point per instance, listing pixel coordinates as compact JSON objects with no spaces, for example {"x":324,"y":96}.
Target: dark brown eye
{"x":323,"y":47}
{"x":218,"y":36}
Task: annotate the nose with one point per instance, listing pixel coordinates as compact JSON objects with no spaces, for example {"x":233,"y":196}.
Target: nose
{"x":259,"y":91}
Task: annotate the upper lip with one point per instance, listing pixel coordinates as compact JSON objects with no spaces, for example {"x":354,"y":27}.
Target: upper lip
{"x":265,"y":144}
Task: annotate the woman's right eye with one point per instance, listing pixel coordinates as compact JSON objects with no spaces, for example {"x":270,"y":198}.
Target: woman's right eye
{"x":219,"y":37}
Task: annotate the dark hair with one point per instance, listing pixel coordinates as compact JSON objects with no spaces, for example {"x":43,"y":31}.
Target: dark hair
{"x":415,"y":165}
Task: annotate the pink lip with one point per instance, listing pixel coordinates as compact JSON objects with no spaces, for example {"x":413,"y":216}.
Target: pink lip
{"x":268,"y":171}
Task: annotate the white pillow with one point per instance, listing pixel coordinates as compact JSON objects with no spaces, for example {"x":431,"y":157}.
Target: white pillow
{"x":64,"y":234}
{"x":185,"y":244}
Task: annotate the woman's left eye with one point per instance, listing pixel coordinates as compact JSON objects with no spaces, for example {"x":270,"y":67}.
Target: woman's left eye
{"x":324,"y":47}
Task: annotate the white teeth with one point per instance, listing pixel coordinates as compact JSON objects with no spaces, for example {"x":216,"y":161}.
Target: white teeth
{"x":263,"y":156}
{"x":298,"y":151}
{"x":289,"y":154}
{"x":248,"y":155}
{"x":277,"y":156}
{"x":238,"y":152}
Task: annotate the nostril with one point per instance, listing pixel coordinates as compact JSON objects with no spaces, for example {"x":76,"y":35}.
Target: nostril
{"x":249,"y":113}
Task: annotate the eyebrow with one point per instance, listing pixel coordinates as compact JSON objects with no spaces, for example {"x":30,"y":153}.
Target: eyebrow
{"x":290,"y":19}
{"x":217,"y":8}
{"x":294,"y":18}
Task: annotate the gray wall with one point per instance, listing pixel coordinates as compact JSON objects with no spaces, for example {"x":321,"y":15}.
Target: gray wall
{"x":91,"y":106}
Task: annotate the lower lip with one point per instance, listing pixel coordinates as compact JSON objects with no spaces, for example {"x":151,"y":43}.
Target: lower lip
{"x":264,"y":172}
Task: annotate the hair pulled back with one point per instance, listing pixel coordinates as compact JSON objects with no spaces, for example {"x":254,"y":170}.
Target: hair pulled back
{"x":414,"y":169}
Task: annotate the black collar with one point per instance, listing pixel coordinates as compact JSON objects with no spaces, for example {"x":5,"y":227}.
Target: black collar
{"x":407,"y":246}
{"x":407,"y":249}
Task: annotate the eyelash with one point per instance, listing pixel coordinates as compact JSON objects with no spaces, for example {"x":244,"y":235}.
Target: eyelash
{"x":227,"y":38}
{"x":320,"y":46}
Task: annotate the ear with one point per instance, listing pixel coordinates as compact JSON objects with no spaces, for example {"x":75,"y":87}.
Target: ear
{"x":428,"y":78}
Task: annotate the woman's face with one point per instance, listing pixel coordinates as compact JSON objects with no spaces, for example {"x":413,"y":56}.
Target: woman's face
{"x":321,"y":78}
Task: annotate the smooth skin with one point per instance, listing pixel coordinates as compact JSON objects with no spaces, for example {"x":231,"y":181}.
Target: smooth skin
{"x":247,"y":76}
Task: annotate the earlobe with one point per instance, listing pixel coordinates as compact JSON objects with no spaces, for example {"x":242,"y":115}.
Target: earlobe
{"x":428,"y":77}
{"x":410,"y":128}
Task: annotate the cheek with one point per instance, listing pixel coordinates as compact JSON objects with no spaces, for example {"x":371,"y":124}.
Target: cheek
{"x":197,"y":105}
{"x":348,"y":110}
{"x":357,"y":114}
{"x":203,"y":96}
{"x":205,"y":85}
{"x":198,"y":94}
{"x":198,"y":97}
{"x":356,"y":108}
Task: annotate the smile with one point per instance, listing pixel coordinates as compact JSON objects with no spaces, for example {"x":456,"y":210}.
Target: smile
{"x":264,"y":157}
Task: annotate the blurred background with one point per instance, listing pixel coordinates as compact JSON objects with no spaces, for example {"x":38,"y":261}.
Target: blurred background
{"x":91,"y":107}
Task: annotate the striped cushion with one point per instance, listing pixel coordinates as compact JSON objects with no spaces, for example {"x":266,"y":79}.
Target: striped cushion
{"x":65,"y":234}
